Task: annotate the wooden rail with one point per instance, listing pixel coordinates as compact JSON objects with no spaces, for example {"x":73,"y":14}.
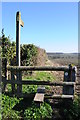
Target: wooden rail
{"x":36,"y":68}
{"x":59,"y":97}
{"x":31,"y":95}
{"x":36,"y":82}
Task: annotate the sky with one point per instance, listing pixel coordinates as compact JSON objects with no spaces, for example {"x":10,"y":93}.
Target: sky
{"x":52,"y":26}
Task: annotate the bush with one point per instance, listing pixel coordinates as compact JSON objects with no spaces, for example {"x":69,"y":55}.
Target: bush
{"x":29,"y":88}
{"x":7,"y":107}
{"x":36,"y":113}
{"x":28,"y":52}
{"x":73,"y":113}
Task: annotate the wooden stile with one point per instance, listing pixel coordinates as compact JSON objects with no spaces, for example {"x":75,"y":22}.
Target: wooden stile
{"x":39,"y":97}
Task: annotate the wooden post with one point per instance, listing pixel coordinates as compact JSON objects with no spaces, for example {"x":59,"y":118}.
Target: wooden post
{"x":13,"y":85}
{"x":19,"y":23}
{"x":19,"y":78}
{"x":70,"y":73}
{"x":69,"y":77}
{"x":5,"y":69}
{"x":5,"y":73}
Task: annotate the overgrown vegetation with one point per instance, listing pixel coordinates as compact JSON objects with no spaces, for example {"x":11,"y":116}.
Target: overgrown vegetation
{"x":28,"y":54}
{"x":73,"y":113}
{"x":31,"y":113}
{"x":8,"y":48}
{"x":36,"y":113}
{"x":7,"y":107}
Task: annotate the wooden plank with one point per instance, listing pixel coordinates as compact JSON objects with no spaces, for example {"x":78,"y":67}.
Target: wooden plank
{"x":29,"y":82}
{"x":68,"y":90}
{"x":37,"y":68}
{"x":39,"y":97}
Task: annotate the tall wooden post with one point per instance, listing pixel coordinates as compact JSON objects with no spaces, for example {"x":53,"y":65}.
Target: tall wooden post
{"x":19,"y":23}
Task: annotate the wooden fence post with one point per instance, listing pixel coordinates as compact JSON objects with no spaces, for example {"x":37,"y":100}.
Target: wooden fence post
{"x":13,"y":78}
{"x":69,"y":77}
{"x":5,"y":73}
{"x":19,"y":78}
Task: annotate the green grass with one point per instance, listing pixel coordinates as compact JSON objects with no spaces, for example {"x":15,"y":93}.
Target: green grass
{"x":44,"y":76}
{"x":40,"y":76}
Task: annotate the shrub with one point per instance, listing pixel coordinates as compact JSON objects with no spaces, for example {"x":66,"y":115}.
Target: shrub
{"x":36,"y":113}
{"x":73,"y":113}
{"x":7,"y":107}
{"x":27,"y":54}
{"x":29,"y":88}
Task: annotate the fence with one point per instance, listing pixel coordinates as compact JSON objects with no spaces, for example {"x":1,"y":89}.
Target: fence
{"x":68,"y":83}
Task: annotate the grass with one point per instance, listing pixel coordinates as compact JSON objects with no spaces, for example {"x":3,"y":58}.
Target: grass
{"x":46,"y":76}
{"x":40,"y":76}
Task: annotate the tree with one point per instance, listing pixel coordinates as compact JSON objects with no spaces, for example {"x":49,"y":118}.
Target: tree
{"x":8,"y":48}
{"x":28,"y":52}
